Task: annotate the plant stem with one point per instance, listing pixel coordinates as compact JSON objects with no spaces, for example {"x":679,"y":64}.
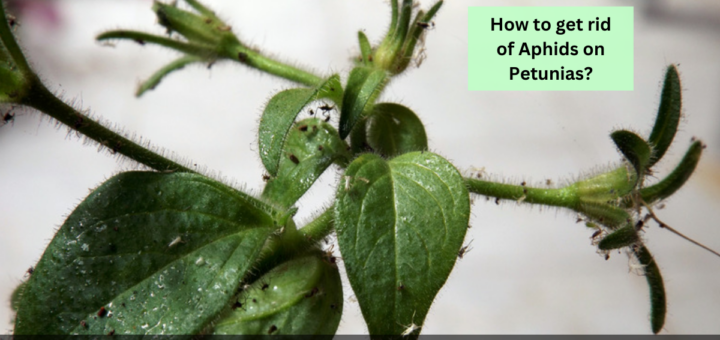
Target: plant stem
{"x":39,"y":97}
{"x":256,"y":60}
{"x":8,"y":40}
{"x":322,"y":226}
{"x":562,"y":197}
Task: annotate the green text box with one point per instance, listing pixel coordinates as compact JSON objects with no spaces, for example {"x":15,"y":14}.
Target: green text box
{"x":491,"y":71}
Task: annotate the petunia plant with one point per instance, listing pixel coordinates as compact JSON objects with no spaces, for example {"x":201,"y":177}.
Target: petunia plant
{"x":173,"y":251}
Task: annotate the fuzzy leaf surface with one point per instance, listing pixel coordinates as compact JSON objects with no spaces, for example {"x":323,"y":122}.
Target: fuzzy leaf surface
{"x":393,"y":129}
{"x":145,"y":253}
{"x":315,"y":145}
{"x":301,"y":296}
{"x":668,"y":117}
{"x":363,"y":86}
{"x":279,"y":117}
{"x":634,"y":148}
{"x":400,"y":225}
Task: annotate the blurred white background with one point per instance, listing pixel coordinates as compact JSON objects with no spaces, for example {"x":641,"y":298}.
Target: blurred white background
{"x":531,"y":270}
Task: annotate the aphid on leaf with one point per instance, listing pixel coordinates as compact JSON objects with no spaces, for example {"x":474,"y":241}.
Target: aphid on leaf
{"x":175,"y":242}
{"x":266,"y":177}
{"x":426,"y":25}
{"x":272,"y":329}
{"x":83,"y":324}
{"x":464,"y":250}
{"x":111,"y":333}
{"x":102,"y":312}
{"x":312,"y":293}
{"x":303,"y":128}
{"x":265,"y":286}
{"x":320,"y":148}
{"x":30,"y":270}
{"x":294,"y":159}
{"x":409,"y":329}
{"x":497,"y":201}
{"x":401,"y":287}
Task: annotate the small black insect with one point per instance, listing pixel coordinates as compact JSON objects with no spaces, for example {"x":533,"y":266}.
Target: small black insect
{"x":272,"y":329}
{"x":140,"y":41}
{"x":243,"y":57}
{"x":266,"y":177}
{"x":83,"y":324}
{"x":265,"y":286}
{"x":497,"y":201}
{"x":237,"y":305}
{"x":401,"y":287}
{"x":112,"y":332}
{"x":294,"y":159}
{"x":426,"y":25}
{"x":102,"y":312}
{"x":8,"y":117}
{"x":312,"y":293}
{"x":320,"y":148}
{"x":327,"y":107}
{"x":312,"y":112}
{"x":30,"y":270}
{"x":523,"y":183}
{"x":327,"y":118}
{"x":303,"y":128}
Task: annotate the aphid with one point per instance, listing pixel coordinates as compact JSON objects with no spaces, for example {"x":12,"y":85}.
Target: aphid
{"x":266,"y":177}
{"x":464,"y":250}
{"x":639,"y":224}
{"x":272,"y":329}
{"x":116,"y":147}
{"x":401,"y":287}
{"x":294,"y":159}
{"x":326,"y":107}
{"x":175,"y":242}
{"x":112,"y":332}
{"x":102,"y":312}
{"x":140,"y":41}
{"x":83,"y":324}
{"x":548,"y":182}
{"x":225,"y":28}
{"x":327,"y":118}
{"x":8,"y":117}
{"x":596,"y":234}
{"x":265,"y":286}
{"x":523,"y":183}
{"x":30,"y":270}
{"x":497,"y":201}
{"x":312,"y":293}
{"x":426,"y":25}
{"x":303,"y":128}
{"x":410,"y":328}
{"x":237,"y":305}
{"x":79,"y":122}
{"x":312,"y":112}
{"x":254,"y":301}
{"x":243,"y":57}
{"x":320,"y":148}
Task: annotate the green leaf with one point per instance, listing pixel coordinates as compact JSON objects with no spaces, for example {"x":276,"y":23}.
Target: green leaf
{"x":363,"y":87}
{"x":146,"y":253}
{"x":280,"y":113}
{"x":634,"y":148}
{"x":400,"y":225}
{"x":658,"y":304}
{"x":677,"y":178}
{"x":668,"y":116}
{"x":204,"y":29}
{"x":17,"y":296}
{"x":365,"y":49}
{"x":393,"y":129}
{"x":311,"y":146}
{"x":301,"y":296}
{"x":620,"y":238}
{"x":158,"y":76}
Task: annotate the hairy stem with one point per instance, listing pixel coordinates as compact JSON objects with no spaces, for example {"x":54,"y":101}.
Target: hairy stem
{"x":8,"y":40}
{"x":39,"y":97}
{"x":322,"y":226}
{"x":561,"y":197}
{"x":256,"y":60}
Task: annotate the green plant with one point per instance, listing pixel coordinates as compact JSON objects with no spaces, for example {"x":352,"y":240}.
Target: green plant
{"x":267,"y":230}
